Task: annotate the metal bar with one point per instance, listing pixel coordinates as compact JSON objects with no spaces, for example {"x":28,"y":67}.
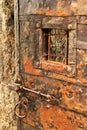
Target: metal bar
{"x":37,"y":92}
{"x":66,"y":49}
{"x":55,"y":55}
{"x":55,"y":34}
{"x":49,"y":46}
{"x":17,"y":39}
{"x":30,"y":90}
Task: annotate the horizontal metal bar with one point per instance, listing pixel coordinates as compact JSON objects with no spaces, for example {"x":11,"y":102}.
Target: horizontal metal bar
{"x":30,"y":90}
{"x":37,"y":92}
{"x":56,"y":34}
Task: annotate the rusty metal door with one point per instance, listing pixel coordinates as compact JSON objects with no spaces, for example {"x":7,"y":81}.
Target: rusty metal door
{"x":51,"y":65}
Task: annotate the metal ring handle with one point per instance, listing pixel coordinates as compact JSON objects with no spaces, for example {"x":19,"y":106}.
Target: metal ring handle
{"x":18,"y":105}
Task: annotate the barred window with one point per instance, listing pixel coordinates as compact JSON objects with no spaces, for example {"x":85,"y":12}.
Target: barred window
{"x":55,"y":45}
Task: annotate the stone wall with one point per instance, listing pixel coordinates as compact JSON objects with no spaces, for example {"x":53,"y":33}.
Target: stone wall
{"x":7,"y":102}
{"x":0,"y":39}
{"x":7,"y":66}
{"x":0,"y":18}
{"x":8,"y":45}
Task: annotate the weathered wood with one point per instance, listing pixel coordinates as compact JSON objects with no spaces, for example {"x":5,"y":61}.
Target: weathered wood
{"x":82,"y":45}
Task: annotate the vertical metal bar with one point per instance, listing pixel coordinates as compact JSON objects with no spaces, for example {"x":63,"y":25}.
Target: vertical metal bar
{"x":76,"y":70}
{"x":66,"y":48}
{"x":17,"y":44}
{"x":17,"y":41}
{"x":49,"y":35}
{"x":40,"y":35}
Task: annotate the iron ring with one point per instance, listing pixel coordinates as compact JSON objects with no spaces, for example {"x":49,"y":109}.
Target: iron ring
{"x":17,"y":106}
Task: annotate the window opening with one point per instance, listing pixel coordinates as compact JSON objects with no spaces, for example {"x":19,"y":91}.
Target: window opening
{"x":55,"y":45}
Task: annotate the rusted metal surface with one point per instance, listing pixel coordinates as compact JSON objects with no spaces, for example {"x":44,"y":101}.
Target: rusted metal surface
{"x":65,"y":81}
{"x":58,"y":7}
{"x":24,"y":126}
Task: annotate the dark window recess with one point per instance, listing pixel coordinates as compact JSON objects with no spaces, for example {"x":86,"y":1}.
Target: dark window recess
{"x":55,"y":45}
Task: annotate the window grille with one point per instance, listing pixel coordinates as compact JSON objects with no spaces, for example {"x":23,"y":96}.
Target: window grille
{"x":55,"y":45}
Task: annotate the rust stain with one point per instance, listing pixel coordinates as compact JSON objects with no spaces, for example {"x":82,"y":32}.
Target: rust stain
{"x":52,"y":77}
{"x":82,"y":80}
{"x":48,"y":11}
{"x":62,"y":13}
{"x":28,"y":67}
{"x":52,"y":118}
{"x":67,"y":79}
{"x":29,"y":119}
{"x":53,"y":66}
{"x":27,"y":62}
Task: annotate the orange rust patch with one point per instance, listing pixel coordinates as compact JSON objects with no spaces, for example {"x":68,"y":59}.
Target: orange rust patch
{"x":53,"y":119}
{"x":45,"y":11}
{"x":48,"y":11}
{"x":53,"y":66}
{"x":27,"y":64}
{"x":62,"y":12}
{"x":28,"y":67}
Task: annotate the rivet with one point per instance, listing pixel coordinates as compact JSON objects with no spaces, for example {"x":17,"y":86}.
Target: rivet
{"x":70,"y":95}
{"x":78,"y":81}
{"x":37,"y":64}
{"x":48,"y":105}
{"x":68,"y":68}
{"x":80,"y":125}
{"x":38,"y":24}
{"x":70,"y":26}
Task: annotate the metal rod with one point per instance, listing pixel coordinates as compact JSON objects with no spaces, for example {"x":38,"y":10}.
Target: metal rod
{"x":37,"y":92}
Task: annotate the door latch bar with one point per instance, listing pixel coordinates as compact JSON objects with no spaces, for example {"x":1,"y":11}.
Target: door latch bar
{"x":22,"y":104}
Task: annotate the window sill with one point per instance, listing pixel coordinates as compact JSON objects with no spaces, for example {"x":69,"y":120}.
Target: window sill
{"x":53,"y":66}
